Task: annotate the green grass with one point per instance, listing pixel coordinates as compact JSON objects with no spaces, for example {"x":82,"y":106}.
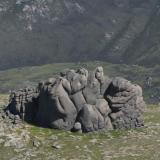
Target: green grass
{"x":22,"y":77}
{"x":138,"y":144}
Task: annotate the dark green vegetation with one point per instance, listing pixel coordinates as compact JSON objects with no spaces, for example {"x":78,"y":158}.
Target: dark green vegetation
{"x":28,"y":76}
{"x":35,"y":32}
{"x":140,"y":144}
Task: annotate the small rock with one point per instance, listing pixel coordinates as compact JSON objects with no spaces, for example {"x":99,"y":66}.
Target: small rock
{"x":36,"y":143}
{"x":2,"y":141}
{"x":93,"y":141}
{"x":56,"y":146}
{"x":77,"y":126}
{"x":25,"y":136}
{"x":85,"y":147}
{"x":53,"y":137}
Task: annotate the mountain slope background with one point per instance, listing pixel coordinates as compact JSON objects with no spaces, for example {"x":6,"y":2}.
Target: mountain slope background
{"x":35,"y":32}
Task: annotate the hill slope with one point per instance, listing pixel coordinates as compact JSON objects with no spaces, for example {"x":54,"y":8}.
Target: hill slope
{"x":34,"y":32}
{"x":30,"y":76}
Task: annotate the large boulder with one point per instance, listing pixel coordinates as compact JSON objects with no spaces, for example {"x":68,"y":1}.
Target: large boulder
{"x":95,"y":117}
{"x":56,"y":109}
{"x":126,"y":102}
{"x":80,"y":101}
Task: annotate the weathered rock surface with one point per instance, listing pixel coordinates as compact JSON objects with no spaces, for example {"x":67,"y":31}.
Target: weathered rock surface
{"x":126,"y":102}
{"x":80,"y":101}
{"x":23,"y":104}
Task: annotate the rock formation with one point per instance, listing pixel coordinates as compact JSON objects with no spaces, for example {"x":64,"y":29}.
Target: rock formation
{"x":23,"y":103}
{"x":80,"y":101}
{"x":126,"y":102}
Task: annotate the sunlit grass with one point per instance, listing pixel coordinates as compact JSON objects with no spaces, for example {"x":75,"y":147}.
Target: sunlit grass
{"x":30,"y":76}
{"x":138,"y":144}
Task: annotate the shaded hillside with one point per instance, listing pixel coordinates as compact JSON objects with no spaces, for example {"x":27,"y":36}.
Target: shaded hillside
{"x":34,"y":32}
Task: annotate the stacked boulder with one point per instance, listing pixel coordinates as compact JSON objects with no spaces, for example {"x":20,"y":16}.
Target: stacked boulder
{"x":81,"y":101}
{"x":23,"y":104}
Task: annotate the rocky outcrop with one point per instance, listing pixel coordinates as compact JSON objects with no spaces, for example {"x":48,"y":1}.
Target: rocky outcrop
{"x":23,"y":103}
{"x":80,"y":101}
{"x":126,"y":102}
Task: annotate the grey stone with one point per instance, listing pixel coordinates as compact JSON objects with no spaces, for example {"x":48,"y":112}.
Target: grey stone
{"x":56,"y":146}
{"x":78,"y":100}
{"x":91,"y":119}
{"x":36,"y":143}
{"x":53,"y":137}
{"x":126,"y":102}
{"x":77,"y":127}
{"x":93,"y":141}
{"x":2,"y":141}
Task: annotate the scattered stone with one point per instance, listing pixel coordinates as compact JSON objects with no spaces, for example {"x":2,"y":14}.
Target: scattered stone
{"x":56,"y":146}
{"x":93,"y":141}
{"x":85,"y":147}
{"x":36,"y":143}
{"x":14,"y":142}
{"x":2,"y":141}
{"x":53,"y":137}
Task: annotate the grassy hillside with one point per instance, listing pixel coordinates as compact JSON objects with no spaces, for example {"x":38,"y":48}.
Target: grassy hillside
{"x":30,"y":76}
{"x":139,"y":144}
